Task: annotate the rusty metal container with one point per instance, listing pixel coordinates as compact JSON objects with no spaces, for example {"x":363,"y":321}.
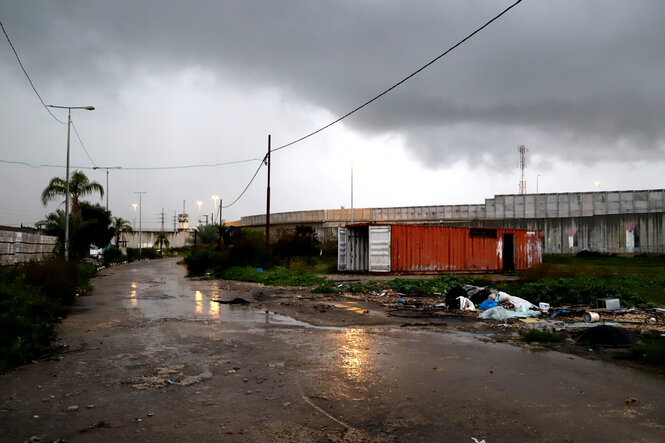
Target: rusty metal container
{"x":401,"y":248}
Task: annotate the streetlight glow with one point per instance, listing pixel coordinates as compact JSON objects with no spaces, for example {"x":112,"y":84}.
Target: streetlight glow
{"x":214,"y":207}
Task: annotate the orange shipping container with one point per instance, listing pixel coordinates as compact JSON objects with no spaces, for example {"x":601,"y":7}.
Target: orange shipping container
{"x":432,"y":249}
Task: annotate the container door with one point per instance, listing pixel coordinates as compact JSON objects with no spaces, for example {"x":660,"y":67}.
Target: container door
{"x":379,"y":249}
{"x":341,"y":248}
{"x":508,"y":252}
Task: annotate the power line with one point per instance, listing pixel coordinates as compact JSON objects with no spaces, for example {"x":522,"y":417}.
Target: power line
{"x":130,"y":168}
{"x":401,"y":81}
{"x":82,"y":145}
{"x":248,"y":184}
{"x":26,"y":74}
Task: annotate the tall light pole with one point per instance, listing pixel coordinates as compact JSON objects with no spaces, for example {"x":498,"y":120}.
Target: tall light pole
{"x":107,"y":180}
{"x":140,"y":211}
{"x":351,"y":147}
{"x":537,"y":177}
{"x":69,"y":124}
{"x":214,"y":207}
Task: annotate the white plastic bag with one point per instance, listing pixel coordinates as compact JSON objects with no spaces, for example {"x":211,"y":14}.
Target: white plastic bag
{"x":515,"y":301}
{"x":465,"y":304}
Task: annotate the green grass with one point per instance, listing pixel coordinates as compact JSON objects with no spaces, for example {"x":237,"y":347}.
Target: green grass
{"x":541,"y":336}
{"x":651,"y":352}
{"x":277,"y":276}
{"x":581,"y":280}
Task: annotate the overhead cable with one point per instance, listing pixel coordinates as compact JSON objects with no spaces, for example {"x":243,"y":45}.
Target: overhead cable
{"x":401,"y":81}
{"x":129,"y":168}
{"x":26,"y":74}
{"x":82,"y":145}
{"x":248,"y":184}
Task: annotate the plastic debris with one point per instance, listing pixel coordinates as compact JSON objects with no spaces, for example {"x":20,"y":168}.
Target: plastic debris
{"x":487,"y":304}
{"x":401,"y":300}
{"x":515,"y":301}
{"x":465,"y":304}
{"x":501,"y":313}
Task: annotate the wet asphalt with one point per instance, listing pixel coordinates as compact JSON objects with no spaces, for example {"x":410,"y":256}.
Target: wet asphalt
{"x":149,"y":356}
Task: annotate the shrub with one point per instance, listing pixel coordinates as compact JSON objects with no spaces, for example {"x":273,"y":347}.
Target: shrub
{"x":202,"y":260}
{"x":113,"y":255}
{"x":33,"y":298}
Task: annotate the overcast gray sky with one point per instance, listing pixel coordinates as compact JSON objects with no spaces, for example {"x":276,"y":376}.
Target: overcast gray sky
{"x":177,"y":83}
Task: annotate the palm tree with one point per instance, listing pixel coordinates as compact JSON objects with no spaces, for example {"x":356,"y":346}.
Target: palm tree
{"x":161,"y":240}
{"x":79,"y":186}
{"x":119,"y":224}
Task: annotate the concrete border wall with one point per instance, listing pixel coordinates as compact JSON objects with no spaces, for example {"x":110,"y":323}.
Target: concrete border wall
{"x":613,"y":221}
{"x":24,"y":245}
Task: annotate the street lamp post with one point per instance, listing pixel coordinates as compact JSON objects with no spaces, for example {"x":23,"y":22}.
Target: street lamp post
{"x":140,"y":212}
{"x":351,"y":184}
{"x":69,"y":124}
{"x":537,"y":177}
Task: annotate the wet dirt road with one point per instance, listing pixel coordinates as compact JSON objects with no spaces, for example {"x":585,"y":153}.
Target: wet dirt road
{"x":149,"y":357}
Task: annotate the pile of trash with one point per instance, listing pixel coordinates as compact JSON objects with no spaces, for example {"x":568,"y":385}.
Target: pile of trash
{"x":494,"y":304}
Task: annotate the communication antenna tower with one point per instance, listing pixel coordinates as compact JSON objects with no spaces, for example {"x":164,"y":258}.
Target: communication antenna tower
{"x":522,"y":150}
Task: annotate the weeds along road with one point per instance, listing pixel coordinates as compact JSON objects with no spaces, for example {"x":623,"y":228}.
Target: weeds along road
{"x":149,"y":357}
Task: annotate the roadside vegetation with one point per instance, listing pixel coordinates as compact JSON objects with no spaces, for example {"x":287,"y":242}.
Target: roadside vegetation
{"x":651,"y":351}
{"x":34,"y":297}
{"x":298,"y":259}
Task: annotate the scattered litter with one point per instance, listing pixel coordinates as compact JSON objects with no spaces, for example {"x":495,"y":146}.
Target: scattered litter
{"x":487,"y":304}
{"x":400,"y":300}
{"x":465,"y":304}
{"x":259,"y":269}
{"x":611,"y":304}
{"x":171,"y":382}
{"x":235,"y":301}
{"x":631,"y":401}
{"x":529,"y":320}
{"x":544,"y":307}
{"x":501,"y":313}
{"x":515,"y":301}
{"x":72,"y":408}
{"x":591,"y":317}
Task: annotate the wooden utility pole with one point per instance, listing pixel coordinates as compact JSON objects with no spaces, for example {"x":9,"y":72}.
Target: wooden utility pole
{"x":268,"y":201}
{"x":219,"y":239}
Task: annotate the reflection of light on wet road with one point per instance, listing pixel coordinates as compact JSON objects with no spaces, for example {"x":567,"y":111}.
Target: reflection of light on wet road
{"x":132,"y":295}
{"x":354,"y":351}
{"x":214,"y":309}
{"x":198,"y":297}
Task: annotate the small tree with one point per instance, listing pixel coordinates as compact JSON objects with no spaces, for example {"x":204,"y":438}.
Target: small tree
{"x":119,"y":225}
{"x":161,"y":240}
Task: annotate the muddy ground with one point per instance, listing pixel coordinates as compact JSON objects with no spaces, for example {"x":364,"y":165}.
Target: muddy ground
{"x":149,"y":356}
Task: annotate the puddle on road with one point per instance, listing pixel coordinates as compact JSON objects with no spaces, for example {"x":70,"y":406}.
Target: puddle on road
{"x":157,"y":301}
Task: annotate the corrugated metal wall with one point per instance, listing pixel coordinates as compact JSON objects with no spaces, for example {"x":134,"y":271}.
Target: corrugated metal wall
{"x":417,"y":248}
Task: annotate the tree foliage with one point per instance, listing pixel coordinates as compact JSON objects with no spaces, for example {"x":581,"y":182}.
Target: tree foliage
{"x":79,"y":186}
{"x":119,"y":224}
{"x":89,"y":227}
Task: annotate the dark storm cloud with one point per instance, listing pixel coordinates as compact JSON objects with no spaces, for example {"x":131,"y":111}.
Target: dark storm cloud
{"x":587,"y":72}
